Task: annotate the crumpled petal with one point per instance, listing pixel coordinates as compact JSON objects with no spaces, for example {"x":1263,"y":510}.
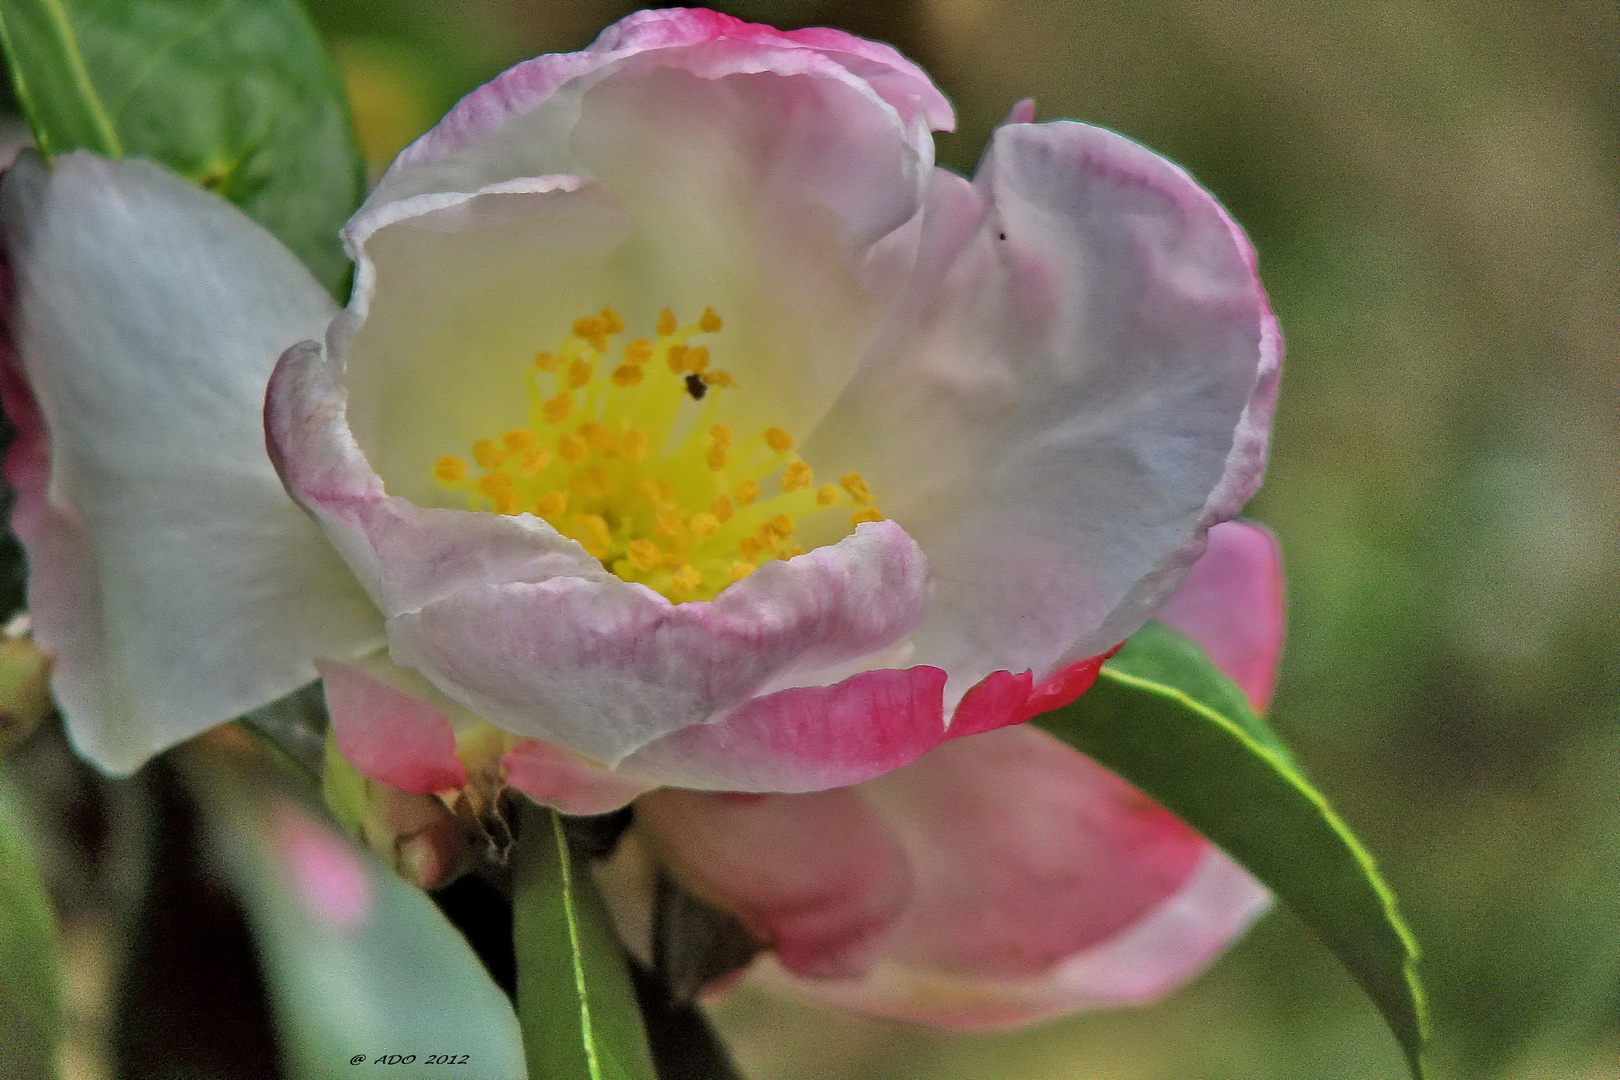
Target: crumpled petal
{"x":1081,"y":385}
{"x":390,"y":735}
{"x":172,"y":577}
{"x":1039,"y":882}
{"x":550,"y":775}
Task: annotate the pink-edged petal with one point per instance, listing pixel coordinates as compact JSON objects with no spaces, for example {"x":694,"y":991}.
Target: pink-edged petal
{"x":550,"y":775}
{"x":1082,"y":387}
{"x":520,"y":625}
{"x":818,"y":877}
{"x":705,"y":41}
{"x":148,"y":314}
{"x":1231,"y":604}
{"x":1042,"y":884}
{"x":390,"y":735}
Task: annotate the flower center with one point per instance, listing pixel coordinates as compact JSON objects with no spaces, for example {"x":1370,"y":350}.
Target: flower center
{"x":612,"y":457}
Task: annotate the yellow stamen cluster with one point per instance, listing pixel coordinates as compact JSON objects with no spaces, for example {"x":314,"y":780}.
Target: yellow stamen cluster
{"x":626,"y":453}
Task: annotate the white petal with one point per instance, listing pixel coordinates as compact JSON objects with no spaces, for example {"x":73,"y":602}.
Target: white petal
{"x":1085,"y":387}
{"x":149,"y":314}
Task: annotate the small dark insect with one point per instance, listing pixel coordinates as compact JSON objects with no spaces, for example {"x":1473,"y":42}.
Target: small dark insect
{"x":1001,"y":236}
{"x":696,"y":387}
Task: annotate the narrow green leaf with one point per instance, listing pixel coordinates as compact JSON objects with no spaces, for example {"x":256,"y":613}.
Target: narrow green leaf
{"x":237,"y":95}
{"x":1164,"y":718}
{"x":30,"y":980}
{"x":576,"y":1002}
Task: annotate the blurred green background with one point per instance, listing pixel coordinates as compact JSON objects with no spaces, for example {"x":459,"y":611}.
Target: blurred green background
{"x":1432,"y":189}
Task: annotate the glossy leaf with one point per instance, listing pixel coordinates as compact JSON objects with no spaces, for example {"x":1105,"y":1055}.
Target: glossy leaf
{"x":358,"y":962}
{"x":576,"y":1002}
{"x":1163,"y":717}
{"x":237,"y":95}
{"x":30,"y":980}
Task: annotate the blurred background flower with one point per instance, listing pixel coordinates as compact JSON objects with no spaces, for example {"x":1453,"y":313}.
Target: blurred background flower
{"x":1432,"y":189}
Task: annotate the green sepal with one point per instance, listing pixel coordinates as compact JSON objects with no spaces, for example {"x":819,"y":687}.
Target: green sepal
{"x":30,"y":967}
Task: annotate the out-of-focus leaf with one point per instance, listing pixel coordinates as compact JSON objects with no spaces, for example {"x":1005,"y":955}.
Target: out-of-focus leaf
{"x":237,"y":95}
{"x":576,"y":1001}
{"x":30,"y":980}
{"x":1163,"y":717}
{"x":359,"y":963}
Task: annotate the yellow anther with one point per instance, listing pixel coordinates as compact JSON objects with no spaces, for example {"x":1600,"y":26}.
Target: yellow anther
{"x":782,"y":525}
{"x":555,"y":410}
{"x":450,"y":469}
{"x":703,"y":526}
{"x":591,"y":530}
{"x":644,"y":555}
{"x":592,"y":484}
{"x":684,"y":582}
{"x":596,"y":436}
{"x":710,"y":322}
{"x":547,"y":361}
{"x":626,"y":375}
{"x":552,"y":504}
{"x":856,"y":487}
{"x":719,"y":378}
{"x":749,"y":548}
{"x":826,"y":495}
{"x":720,"y":435}
{"x":717,"y":457}
{"x":633,"y":447}
{"x":669,"y":521}
{"x":494,"y":484}
{"x":721,"y":509}
{"x":638,"y":351}
{"x":797,"y":476}
{"x":611,"y":321}
{"x":571,"y":448}
{"x":869,"y":513}
{"x":677,"y":358}
{"x":488,"y":454}
{"x":740,"y":570}
{"x":530,"y":462}
{"x":778,"y":440}
{"x":697,"y":358}
{"x":667,"y":323}
{"x":594,"y":330}
{"x":790,"y":551}
{"x":507,"y":502}
{"x":746,"y":492}
{"x":579,"y":373}
{"x":519,"y":439}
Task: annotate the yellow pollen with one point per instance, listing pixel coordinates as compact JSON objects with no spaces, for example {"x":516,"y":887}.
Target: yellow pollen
{"x":856,"y":487}
{"x":797,"y":476}
{"x":869,"y":513}
{"x":556,"y":410}
{"x":487,"y":454}
{"x":644,"y":468}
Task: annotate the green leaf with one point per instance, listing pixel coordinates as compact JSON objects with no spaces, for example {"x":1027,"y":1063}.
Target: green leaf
{"x":1164,"y":718}
{"x":383,"y":973}
{"x":575,"y":998}
{"x":237,"y":95}
{"x":30,"y":980}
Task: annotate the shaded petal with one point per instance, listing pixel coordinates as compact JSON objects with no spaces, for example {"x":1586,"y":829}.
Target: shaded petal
{"x":818,"y":877}
{"x":1043,"y":884}
{"x":390,"y":735}
{"x":1083,"y":385}
{"x":1231,"y":603}
{"x":148,"y":316}
{"x":551,"y":775}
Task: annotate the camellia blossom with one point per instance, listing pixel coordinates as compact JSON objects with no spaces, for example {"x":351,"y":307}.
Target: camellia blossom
{"x":687,"y":428}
